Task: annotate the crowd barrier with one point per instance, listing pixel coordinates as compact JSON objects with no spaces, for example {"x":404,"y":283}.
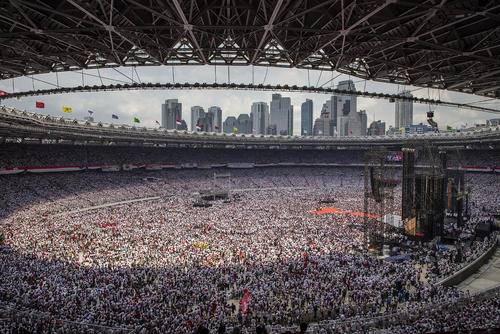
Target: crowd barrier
{"x":10,"y":314}
{"x":462,"y":274}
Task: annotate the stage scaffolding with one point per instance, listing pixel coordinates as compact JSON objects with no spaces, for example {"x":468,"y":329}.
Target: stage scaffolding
{"x":379,"y":184}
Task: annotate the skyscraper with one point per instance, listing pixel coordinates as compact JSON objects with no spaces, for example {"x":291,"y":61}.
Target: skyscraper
{"x":377,"y":128}
{"x":281,"y":114}
{"x":331,"y":106}
{"x":306,"y":118}
{"x":229,"y":124}
{"x":348,"y":120}
{"x":260,"y":117}
{"x":403,"y":111}
{"x":363,"y":120}
{"x":182,"y":126}
{"x":323,"y":126}
{"x":326,"y":124}
{"x":217,"y":115}
{"x":171,"y":112}
{"x":244,"y":124}
{"x":197,"y":113}
{"x":207,"y":123}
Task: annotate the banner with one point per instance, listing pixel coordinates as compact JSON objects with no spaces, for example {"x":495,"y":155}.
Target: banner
{"x":244,"y":301}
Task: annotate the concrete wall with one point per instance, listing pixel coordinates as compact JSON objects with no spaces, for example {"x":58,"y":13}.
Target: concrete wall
{"x":469,"y":269}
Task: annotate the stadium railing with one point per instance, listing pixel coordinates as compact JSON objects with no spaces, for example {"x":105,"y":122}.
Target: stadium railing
{"x":62,"y":123}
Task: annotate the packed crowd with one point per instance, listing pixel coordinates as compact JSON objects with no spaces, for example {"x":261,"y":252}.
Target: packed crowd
{"x":21,"y":155}
{"x":163,"y":266}
{"x":479,"y":313}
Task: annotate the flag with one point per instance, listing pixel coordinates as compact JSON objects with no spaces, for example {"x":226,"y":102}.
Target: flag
{"x":217,"y":127}
{"x":199,"y":126}
{"x":201,"y":245}
{"x":235,"y":130}
{"x":178,"y":121}
{"x":449,"y":128}
{"x":113,"y":116}
{"x":136,"y":120}
{"x":3,"y":93}
{"x":244,"y":301}
{"x":90,"y":112}
{"x":39,"y":104}
{"x":67,"y":109}
{"x":157,"y":122}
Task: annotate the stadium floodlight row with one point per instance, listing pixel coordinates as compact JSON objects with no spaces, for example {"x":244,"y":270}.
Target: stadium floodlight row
{"x":16,"y":125}
{"x":242,"y":86}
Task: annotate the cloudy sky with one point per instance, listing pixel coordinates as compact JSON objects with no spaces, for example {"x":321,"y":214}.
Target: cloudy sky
{"x":147,"y":104}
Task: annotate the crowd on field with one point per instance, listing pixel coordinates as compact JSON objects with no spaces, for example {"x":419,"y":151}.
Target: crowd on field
{"x":161,"y":265}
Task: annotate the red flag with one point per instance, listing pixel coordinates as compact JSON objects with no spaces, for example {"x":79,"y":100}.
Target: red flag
{"x":39,"y":104}
{"x":3,"y":93}
{"x":244,"y":301}
{"x":178,"y":121}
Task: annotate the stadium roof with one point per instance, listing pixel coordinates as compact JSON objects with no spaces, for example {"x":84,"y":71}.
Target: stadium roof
{"x":443,"y":44}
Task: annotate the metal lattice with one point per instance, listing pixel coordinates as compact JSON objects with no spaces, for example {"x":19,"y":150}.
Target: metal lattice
{"x":452,"y":45}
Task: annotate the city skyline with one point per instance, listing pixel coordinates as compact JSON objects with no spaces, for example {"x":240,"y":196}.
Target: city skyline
{"x":145,"y":104}
{"x":338,"y":117}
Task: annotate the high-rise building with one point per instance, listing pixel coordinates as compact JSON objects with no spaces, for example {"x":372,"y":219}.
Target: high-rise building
{"x":281,"y":114}
{"x":171,"y":112}
{"x":206,"y":123}
{"x":363,"y":120}
{"x":271,"y":130}
{"x":348,"y":120}
{"x":306,"y":118}
{"x":326,"y":124}
{"x":331,"y":106}
{"x":182,"y":126}
{"x":323,"y":126}
{"x":217,"y":115}
{"x":403,"y":111}
{"x":260,"y":117}
{"x":377,"y":128}
{"x":197,"y":113}
{"x":244,"y":124}
{"x":230,"y":124}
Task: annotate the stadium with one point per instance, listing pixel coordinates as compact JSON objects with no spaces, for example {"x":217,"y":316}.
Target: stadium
{"x":108,"y":227}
